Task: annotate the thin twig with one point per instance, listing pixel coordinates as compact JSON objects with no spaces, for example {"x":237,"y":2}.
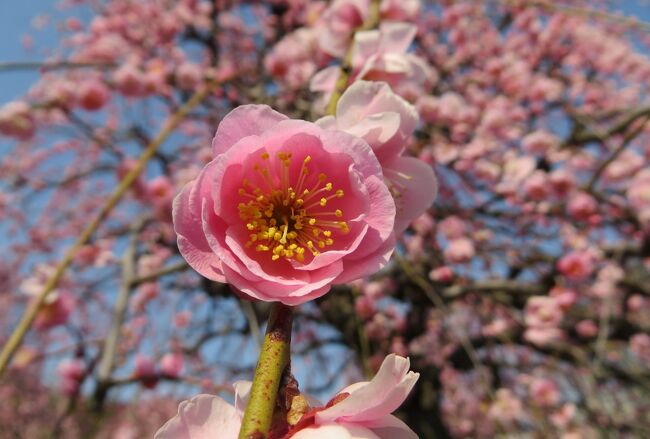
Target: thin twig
{"x":107,"y":360}
{"x":7,"y":66}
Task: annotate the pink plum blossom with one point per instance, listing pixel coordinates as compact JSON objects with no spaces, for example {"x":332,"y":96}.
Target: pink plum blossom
{"x":189,"y":75}
{"x":171,"y":364}
{"x":93,"y":95}
{"x":543,"y":312}
{"x":506,"y":408}
{"x":361,"y":410}
{"x":582,"y":206}
{"x":587,"y":328}
{"x":576,"y":265}
{"x":539,"y":142}
{"x":202,"y":417}
{"x":452,"y":227}
{"x":460,"y":250}
{"x":380,"y":55}
{"x":71,"y":373}
{"x":285,"y":209}
{"x":371,"y":111}
{"x":145,"y":370}
{"x":295,"y":58}
{"x":16,"y":120}
{"x":442,"y":274}
{"x":129,"y":80}
{"x":544,"y":392}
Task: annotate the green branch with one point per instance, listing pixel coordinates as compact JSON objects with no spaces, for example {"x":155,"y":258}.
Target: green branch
{"x":274,"y":358}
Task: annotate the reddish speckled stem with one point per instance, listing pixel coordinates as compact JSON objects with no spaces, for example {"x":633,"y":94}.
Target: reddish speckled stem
{"x":274,"y":358}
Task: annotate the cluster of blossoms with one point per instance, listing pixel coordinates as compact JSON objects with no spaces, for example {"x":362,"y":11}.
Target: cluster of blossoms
{"x":531,"y":268}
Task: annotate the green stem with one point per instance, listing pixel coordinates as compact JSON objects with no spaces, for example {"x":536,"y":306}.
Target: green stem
{"x":274,"y":358}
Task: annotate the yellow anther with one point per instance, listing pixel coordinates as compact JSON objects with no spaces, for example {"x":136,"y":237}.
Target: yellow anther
{"x":328,"y":187}
{"x":250,"y":226}
{"x":262,"y":248}
{"x":344,"y":226}
{"x":323,"y":201}
{"x":321,"y":244}
{"x":278,"y":249}
{"x":339,"y":193}
{"x":307,"y":159}
{"x":242,"y":191}
{"x":329,"y":241}
{"x":338,"y":213}
{"x":312,"y":221}
{"x":327,"y":233}
{"x":265,"y":156}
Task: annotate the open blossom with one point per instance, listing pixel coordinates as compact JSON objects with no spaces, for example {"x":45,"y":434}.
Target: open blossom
{"x":339,"y":21}
{"x":16,"y":120}
{"x":371,"y":110}
{"x":380,"y":55}
{"x":361,"y":410}
{"x":295,"y":58}
{"x":576,"y":265}
{"x":285,"y":209}
{"x":71,"y":373}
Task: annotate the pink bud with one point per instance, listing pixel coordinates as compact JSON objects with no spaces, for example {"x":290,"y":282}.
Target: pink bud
{"x":171,"y":364}
{"x":92,"y":95}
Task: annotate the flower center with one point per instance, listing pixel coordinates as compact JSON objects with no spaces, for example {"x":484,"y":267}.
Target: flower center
{"x":288,"y":215}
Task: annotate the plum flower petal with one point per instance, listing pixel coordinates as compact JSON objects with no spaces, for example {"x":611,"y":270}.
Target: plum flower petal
{"x":416,"y":187}
{"x":372,"y":111}
{"x":374,"y":400}
{"x":286,"y":208}
{"x":247,"y":120}
{"x":201,"y":418}
{"x":336,"y":431}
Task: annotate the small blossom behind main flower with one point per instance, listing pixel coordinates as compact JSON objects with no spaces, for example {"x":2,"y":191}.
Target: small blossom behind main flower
{"x":361,"y":410}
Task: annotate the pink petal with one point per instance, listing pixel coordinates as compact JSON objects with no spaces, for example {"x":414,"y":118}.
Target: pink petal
{"x":200,"y":418}
{"x":396,"y":37}
{"x":336,"y":431}
{"x":366,"y":100}
{"x":366,"y":44}
{"x":242,"y":394}
{"x":188,"y":226}
{"x":378,"y":398}
{"x":243,"y":121}
{"x":325,"y":80}
{"x":391,"y":427}
{"x":416,"y":185}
